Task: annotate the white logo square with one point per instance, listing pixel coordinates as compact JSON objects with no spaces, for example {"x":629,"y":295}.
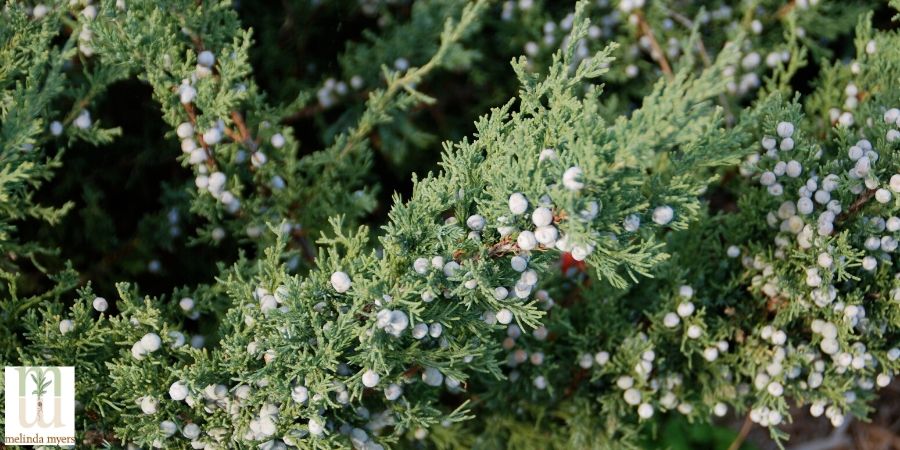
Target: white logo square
{"x":40,"y":405}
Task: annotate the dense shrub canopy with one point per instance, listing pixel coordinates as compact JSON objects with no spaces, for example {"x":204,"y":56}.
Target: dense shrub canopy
{"x":658,"y":208}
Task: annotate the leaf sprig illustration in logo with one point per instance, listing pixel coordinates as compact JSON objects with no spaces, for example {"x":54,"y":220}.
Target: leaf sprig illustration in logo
{"x":41,"y":381}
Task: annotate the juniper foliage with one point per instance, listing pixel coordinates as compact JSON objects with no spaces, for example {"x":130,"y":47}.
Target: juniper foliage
{"x":674,"y":224}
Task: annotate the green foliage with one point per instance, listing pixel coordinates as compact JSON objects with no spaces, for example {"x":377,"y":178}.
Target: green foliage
{"x":632,"y":239}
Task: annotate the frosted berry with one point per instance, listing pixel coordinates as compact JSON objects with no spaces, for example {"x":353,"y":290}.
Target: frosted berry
{"x":370,"y":378}
{"x":518,"y":204}
{"x":340,"y":281}
{"x":100,"y":304}
{"x":662,"y":215}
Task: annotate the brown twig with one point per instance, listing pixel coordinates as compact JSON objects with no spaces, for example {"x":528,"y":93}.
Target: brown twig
{"x":688,"y":23}
{"x":192,"y":116}
{"x":707,"y":61}
{"x":245,"y":137}
{"x":856,"y":206}
{"x":504,"y":246}
{"x":656,"y":51}
{"x":411,"y":371}
{"x":742,"y":435}
{"x":785,"y":10}
{"x":231,"y":134}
